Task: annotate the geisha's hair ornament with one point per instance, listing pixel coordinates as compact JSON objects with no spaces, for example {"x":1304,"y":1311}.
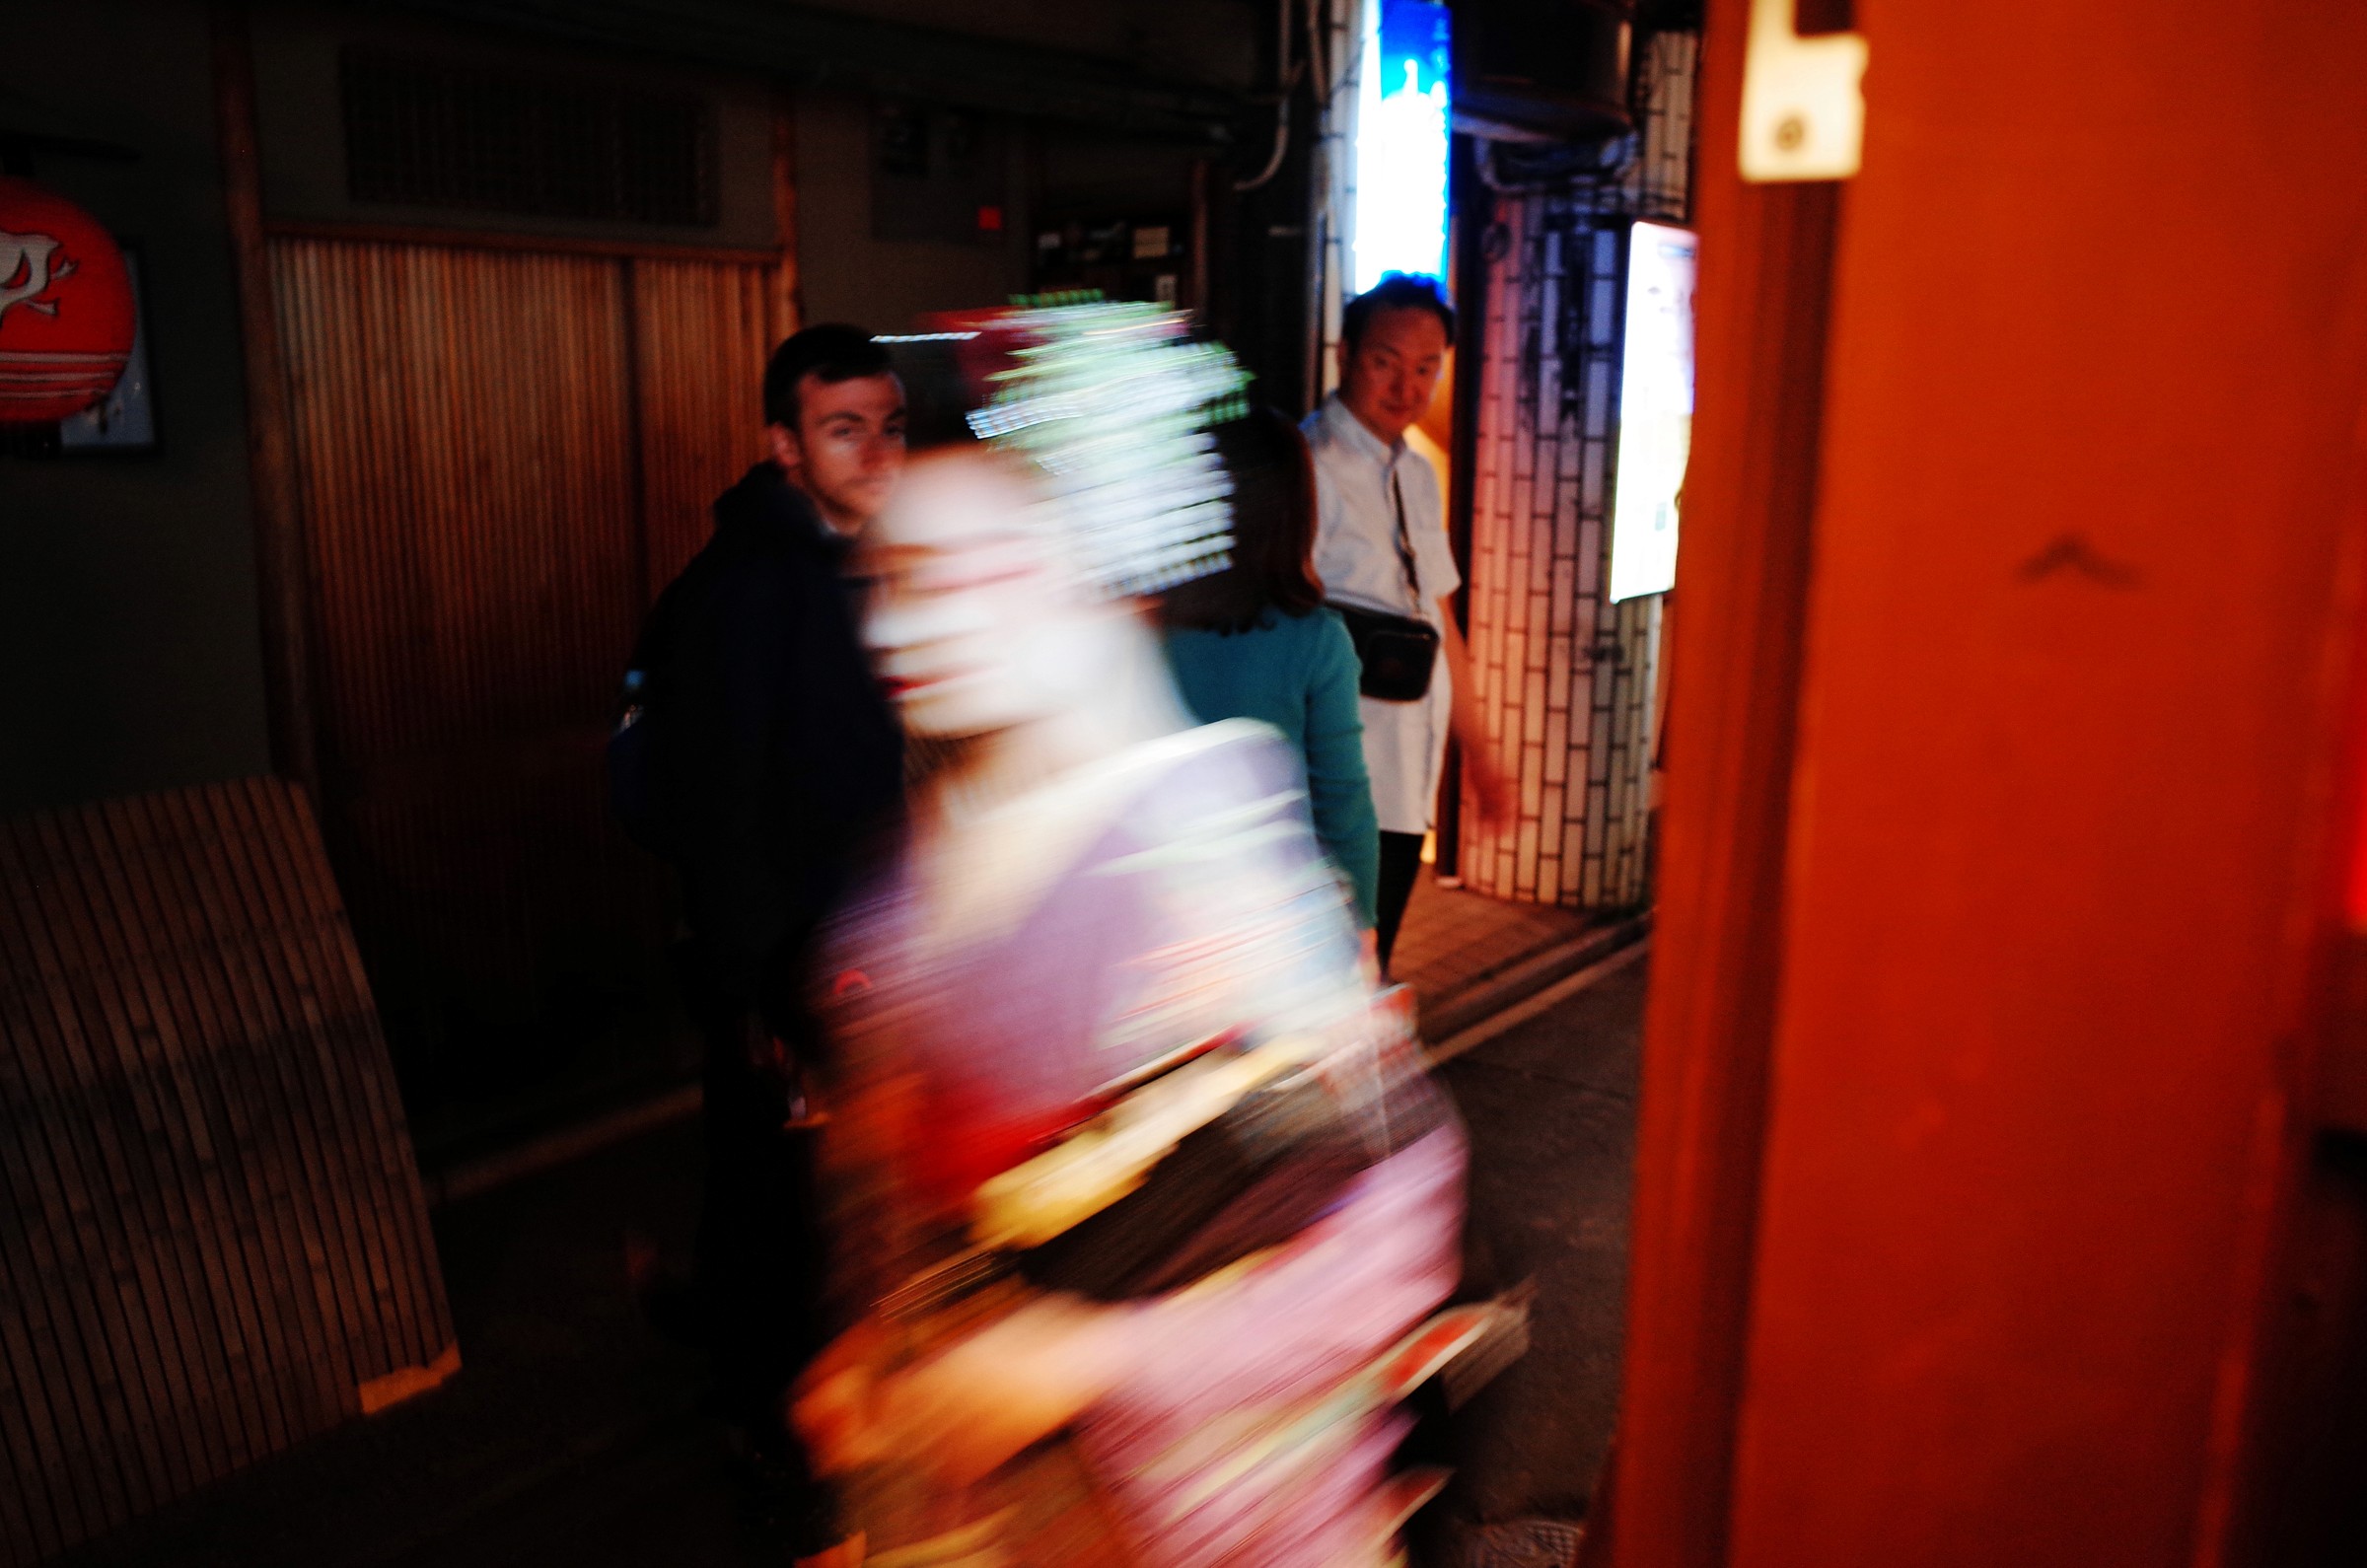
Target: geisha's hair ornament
{"x":1111,"y":403}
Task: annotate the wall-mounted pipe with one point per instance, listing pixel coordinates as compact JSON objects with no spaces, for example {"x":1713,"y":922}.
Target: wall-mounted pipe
{"x":1286,"y":81}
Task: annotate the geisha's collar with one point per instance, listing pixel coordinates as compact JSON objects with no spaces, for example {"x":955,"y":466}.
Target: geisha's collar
{"x":982,"y":881}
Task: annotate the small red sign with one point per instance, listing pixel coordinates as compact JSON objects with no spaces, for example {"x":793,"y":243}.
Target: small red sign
{"x":990,"y":220}
{"x":66,"y":313}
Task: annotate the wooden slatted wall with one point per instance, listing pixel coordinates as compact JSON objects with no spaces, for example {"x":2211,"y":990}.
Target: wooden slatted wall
{"x":702,"y":336}
{"x":212,"y":1237}
{"x":504,"y":455}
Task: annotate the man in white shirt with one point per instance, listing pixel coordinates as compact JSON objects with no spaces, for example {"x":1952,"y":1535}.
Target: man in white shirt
{"x":1381,"y":543}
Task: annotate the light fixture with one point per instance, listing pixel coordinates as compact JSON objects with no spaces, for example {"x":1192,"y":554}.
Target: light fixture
{"x":1401,"y":117}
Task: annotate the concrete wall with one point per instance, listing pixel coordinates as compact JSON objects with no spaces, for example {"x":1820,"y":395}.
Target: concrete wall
{"x":128,"y":630}
{"x":847,"y":275}
{"x":1055,"y":172}
{"x":1216,"y":42}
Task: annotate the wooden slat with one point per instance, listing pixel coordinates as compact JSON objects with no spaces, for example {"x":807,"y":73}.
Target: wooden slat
{"x":172,"y":1373}
{"x":461,"y":419}
{"x":260,"y":1096}
{"x":403,"y":1301}
{"x":91,"y":1330}
{"x":36,"y":1164}
{"x":321,"y":1192}
{"x":282,"y":1258}
{"x":324,"y":1201}
{"x":496,"y":239}
{"x":140,"y":927}
{"x":60,"y":1280}
{"x":223,"y":982}
{"x":211,"y":1234}
{"x":700,"y":342}
{"x":503,"y":455}
{"x":156,"y":931}
{"x":463,"y":429}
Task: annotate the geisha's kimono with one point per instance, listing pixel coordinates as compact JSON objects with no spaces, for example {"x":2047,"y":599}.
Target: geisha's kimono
{"x":1171,"y":904}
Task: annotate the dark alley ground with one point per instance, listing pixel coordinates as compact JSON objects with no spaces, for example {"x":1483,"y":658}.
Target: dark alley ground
{"x":1550,"y":1103}
{"x":574,"y":1434}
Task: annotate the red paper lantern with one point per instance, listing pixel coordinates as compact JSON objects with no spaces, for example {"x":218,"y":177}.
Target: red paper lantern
{"x":66,"y":313}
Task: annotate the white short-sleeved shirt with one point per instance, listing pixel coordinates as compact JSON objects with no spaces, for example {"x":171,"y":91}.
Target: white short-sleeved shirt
{"x":1356,"y":556}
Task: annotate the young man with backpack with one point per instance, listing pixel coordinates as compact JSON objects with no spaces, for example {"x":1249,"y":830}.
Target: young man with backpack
{"x":763,"y":762}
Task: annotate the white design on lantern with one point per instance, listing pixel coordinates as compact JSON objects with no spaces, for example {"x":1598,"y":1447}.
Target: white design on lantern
{"x":30,"y":254}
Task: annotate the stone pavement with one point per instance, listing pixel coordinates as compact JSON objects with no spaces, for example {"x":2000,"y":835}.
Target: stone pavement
{"x":1465,"y":956}
{"x":1453,"y":937}
{"x":1468,"y":955}
{"x":1550,"y":1105}
{"x":572,"y":1436}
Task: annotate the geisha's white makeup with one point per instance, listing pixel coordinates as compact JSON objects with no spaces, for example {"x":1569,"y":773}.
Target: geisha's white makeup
{"x":976,"y":623}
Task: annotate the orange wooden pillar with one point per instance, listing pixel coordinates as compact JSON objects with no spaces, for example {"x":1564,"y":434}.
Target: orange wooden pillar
{"x":2004,"y":845}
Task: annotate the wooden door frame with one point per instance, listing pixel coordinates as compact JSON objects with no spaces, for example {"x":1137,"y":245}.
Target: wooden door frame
{"x":1767,"y":292}
{"x":283,"y":571}
{"x":1766,"y":268}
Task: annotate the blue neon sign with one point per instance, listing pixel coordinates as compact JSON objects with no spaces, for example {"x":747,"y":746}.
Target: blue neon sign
{"x":1402,"y":142}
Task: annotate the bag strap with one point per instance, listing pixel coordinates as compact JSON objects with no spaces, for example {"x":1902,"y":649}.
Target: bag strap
{"x":1413,"y":586}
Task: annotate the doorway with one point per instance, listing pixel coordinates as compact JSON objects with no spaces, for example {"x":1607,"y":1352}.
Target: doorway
{"x":503,"y":454}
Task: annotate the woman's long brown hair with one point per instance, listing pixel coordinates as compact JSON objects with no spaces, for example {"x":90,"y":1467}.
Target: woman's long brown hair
{"x":1274,"y":533}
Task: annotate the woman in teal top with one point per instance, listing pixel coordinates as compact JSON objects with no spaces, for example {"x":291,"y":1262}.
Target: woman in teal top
{"x":1254,"y":641}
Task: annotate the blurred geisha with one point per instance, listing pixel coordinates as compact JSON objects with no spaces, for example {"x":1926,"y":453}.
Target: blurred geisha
{"x":1140,"y":1193}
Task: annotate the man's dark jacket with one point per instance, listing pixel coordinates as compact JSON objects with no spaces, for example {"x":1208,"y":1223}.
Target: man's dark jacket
{"x":778,"y":761}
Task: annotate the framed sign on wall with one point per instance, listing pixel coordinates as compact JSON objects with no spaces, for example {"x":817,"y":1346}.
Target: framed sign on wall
{"x":1656,"y":409}
{"x":126,"y":419}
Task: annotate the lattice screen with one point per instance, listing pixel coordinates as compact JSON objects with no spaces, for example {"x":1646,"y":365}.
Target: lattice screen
{"x":212,"y":1237}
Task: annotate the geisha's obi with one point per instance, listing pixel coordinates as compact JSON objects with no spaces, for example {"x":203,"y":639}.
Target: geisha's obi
{"x":1142,"y":1058}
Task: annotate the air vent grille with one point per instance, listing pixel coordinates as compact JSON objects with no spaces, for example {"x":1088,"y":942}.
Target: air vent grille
{"x":424,"y":132}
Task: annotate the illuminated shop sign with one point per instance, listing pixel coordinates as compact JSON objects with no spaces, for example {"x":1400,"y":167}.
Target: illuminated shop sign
{"x":1656,"y":409}
{"x":1402,"y":142}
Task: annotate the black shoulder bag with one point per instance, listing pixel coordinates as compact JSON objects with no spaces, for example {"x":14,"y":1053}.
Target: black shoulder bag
{"x":1395,"y":651}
